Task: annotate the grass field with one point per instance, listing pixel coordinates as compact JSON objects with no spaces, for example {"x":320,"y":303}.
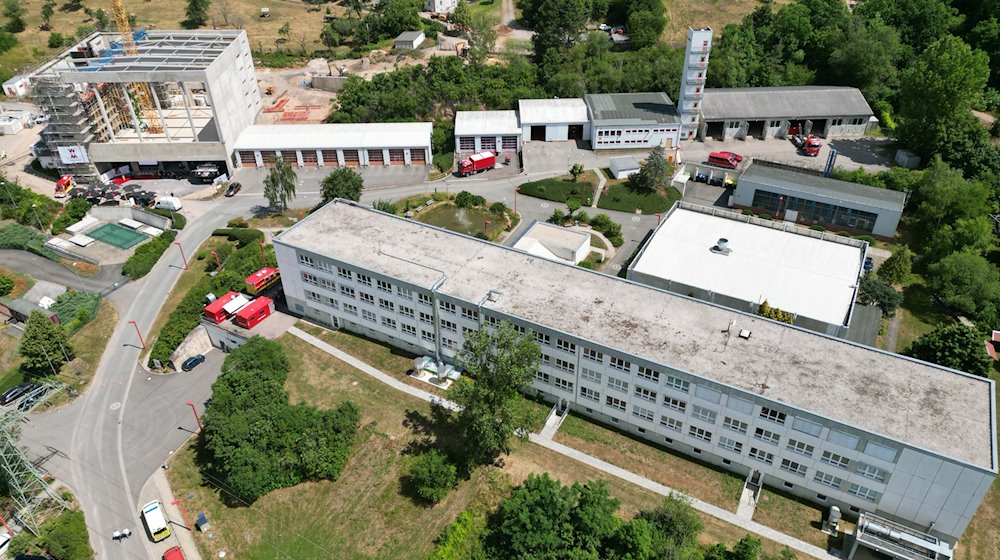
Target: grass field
{"x":561,"y":189}
{"x":620,"y":197}
{"x":367,"y":513}
{"x":919,"y":313}
{"x":716,"y":14}
{"x":22,"y":283}
{"x":469,"y":221}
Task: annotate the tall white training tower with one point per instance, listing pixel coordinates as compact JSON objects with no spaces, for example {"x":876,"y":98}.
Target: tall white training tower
{"x":699,"y":45}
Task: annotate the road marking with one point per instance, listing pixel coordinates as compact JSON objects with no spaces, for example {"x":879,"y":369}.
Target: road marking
{"x":636,"y":218}
{"x":116,"y":405}
{"x":545,"y":205}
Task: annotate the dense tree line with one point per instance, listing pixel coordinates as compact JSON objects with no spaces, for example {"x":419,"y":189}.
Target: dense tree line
{"x":257,"y":441}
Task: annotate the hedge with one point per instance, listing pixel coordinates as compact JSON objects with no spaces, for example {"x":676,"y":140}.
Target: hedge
{"x":242,"y":236}
{"x":146,"y":255}
{"x":74,"y":211}
{"x":75,"y":309}
{"x":187,"y":314}
{"x":16,"y":236}
{"x":178,"y":221}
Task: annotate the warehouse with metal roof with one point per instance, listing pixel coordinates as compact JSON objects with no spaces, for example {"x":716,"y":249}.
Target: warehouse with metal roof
{"x":776,"y":112}
{"x":553,"y":120}
{"x":476,"y":131}
{"x":632,"y":120}
{"x":332,"y":145}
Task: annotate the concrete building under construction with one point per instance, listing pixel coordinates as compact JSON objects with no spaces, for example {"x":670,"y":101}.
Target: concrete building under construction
{"x":181,"y":100}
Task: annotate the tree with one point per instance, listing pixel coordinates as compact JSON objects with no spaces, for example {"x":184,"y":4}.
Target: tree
{"x":303,"y":41}
{"x":500,"y":364}
{"x":356,"y":6}
{"x":919,"y":22}
{"x":482,"y":37}
{"x":56,"y":40}
{"x":937,"y":90}
{"x":646,"y":21}
{"x":875,"y":291}
{"x":576,"y":170}
{"x":14,"y":11}
{"x":284,"y":32}
{"x":48,"y":10}
{"x":44,"y":345}
{"x":943,"y":196}
{"x":653,"y":173}
{"x":765,"y":309}
{"x":102,"y":20}
{"x":432,"y":475}
{"x":392,"y":17}
{"x":344,"y":183}
{"x":572,"y":204}
{"x":558,"y":217}
{"x":866,"y":55}
{"x":465,"y":199}
{"x":196,"y":13}
{"x":279,"y":185}
{"x":965,"y":281}
{"x":747,"y":548}
{"x":462,"y":15}
{"x":559,"y":26}
{"x":955,"y":346}
{"x":6,"y":285}
{"x":676,"y":527}
{"x":329,"y":37}
{"x":387,"y":206}
{"x":896,"y":269}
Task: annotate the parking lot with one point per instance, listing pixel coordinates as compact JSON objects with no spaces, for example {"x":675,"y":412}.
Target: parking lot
{"x":872,"y":154}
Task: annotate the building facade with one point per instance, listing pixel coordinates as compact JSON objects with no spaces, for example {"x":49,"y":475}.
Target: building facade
{"x":495,"y":131}
{"x":693,"y":76}
{"x":553,"y":120}
{"x":829,"y":421}
{"x":334,"y":145}
{"x":633,"y":121}
{"x":200,"y":87}
{"x":806,"y":198}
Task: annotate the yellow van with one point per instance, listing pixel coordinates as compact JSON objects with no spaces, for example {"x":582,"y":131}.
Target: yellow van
{"x":155,"y":521}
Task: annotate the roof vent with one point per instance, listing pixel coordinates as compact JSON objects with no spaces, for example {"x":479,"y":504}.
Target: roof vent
{"x":745,"y":334}
{"x":721,"y":246}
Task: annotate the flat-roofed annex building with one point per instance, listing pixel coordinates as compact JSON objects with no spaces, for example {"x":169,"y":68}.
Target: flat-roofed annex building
{"x":202,"y":88}
{"x":633,"y":121}
{"x":332,"y":145}
{"x":827,"y":420}
{"x":811,"y":274}
{"x":477,"y":131}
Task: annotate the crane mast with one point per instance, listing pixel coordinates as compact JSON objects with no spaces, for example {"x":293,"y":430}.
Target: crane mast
{"x":143,"y":95}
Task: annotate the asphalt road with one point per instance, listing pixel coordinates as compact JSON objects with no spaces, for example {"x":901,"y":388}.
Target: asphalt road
{"x":44,"y":269}
{"x":108,"y":442}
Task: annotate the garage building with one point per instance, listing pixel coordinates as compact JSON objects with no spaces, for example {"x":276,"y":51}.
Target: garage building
{"x":553,"y":120}
{"x":332,"y":145}
{"x":806,"y":198}
{"x":633,"y":120}
{"x":776,"y":112}
{"x":476,"y":131}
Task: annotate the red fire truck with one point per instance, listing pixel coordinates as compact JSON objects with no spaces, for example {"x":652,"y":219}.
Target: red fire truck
{"x":262,"y":280}
{"x":64,"y":184}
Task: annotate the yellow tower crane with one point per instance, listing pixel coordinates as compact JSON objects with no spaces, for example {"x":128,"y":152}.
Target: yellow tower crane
{"x":143,"y":95}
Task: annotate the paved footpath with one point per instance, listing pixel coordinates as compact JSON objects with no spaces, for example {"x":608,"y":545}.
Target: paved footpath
{"x":605,"y":467}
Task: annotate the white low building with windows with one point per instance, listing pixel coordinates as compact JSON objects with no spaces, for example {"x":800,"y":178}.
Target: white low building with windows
{"x":832,"y":422}
{"x":633,"y":121}
{"x":553,"y":120}
{"x":495,"y":131}
{"x":333,"y":145}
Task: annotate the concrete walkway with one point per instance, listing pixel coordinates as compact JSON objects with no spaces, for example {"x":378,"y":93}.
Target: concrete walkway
{"x":383,"y":377}
{"x":747,"y":505}
{"x":545,"y":440}
{"x":552,"y":423}
{"x":158,"y":488}
{"x":601,"y":181}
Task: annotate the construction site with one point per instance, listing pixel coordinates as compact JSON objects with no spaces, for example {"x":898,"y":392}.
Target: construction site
{"x":140,"y":102}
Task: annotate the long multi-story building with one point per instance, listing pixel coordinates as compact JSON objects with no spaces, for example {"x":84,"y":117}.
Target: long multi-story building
{"x":827,"y":420}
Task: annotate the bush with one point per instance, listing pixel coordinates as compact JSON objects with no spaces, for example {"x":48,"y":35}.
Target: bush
{"x":465,"y":199}
{"x":765,"y":310}
{"x":387,"y":206}
{"x":237,"y":223}
{"x":498,"y":208}
{"x":6,"y":285}
{"x":74,"y":211}
{"x":75,"y":309}
{"x":867,"y":238}
{"x":461,"y":539}
{"x":586,"y":264}
{"x":817,"y":227}
{"x":178,"y":221}
{"x":241,"y":236}
{"x":56,"y":40}
{"x":610,"y":229}
{"x":16,"y":236}
{"x":146,"y":255}
{"x":432,"y":475}
{"x":65,"y":537}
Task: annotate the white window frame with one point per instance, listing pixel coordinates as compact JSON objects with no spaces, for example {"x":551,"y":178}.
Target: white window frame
{"x":735,"y":425}
{"x":615,"y":403}
{"x":704,"y":414}
{"x":648,"y":374}
{"x":671,"y":423}
{"x":618,"y":384}
{"x":589,"y":393}
{"x":762,"y":456}
{"x":730,"y":444}
{"x":700,"y":433}
{"x":590,"y":375}
{"x":643,"y":413}
{"x":645,"y":394}
{"x":835,"y":459}
{"x":793,"y":467}
{"x":773,"y":415}
{"x":800,"y":447}
{"x":674,"y":404}
{"x":681,"y":385}
{"x":767,"y":436}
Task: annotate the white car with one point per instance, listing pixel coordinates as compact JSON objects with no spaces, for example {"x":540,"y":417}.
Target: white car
{"x":604,"y":27}
{"x":4,"y":543}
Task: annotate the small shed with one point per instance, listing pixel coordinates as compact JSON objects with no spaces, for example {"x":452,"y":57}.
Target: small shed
{"x":409,"y":40}
{"x":10,"y":125}
{"x":19,"y":310}
{"x":623,"y":166}
{"x":16,"y":86}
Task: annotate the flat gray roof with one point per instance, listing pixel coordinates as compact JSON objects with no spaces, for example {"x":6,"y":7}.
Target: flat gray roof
{"x":792,"y":102}
{"x":923,"y":405}
{"x":818,"y":185}
{"x":631,"y":108}
{"x":476,"y":123}
{"x":410,"y":35}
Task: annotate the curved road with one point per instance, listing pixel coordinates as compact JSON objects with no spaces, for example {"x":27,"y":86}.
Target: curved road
{"x":108,"y":442}
{"x":44,"y":269}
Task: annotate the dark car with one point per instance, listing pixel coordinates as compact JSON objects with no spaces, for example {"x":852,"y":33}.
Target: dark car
{"x":14,"y":393}
{"x":192,"y":362}
{"x":869,"y":264}
{"x":31,"y":398}
{"x":233,"y":189}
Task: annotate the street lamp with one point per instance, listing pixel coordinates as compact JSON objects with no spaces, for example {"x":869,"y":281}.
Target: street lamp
{"x":516,"y":190}
{"x":183,"y":258}
{"x":262,"y":258}
{"x":196,"y":419}
{"x":218,"y":265}
{"x":486,"y":223}
{"x":37,"y":219}
{"x":141,"y":341}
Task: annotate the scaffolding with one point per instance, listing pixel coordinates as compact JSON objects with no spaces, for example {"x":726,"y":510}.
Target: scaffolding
{"x":68,"y":125}
{"x":34,"y":499}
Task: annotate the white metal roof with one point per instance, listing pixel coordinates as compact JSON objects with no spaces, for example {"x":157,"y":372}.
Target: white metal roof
{"x":623,"y":163}
{"x":552,"y":111}
{"x":332,"y":136}
{"x":476,"y":123}
{"x":548,"y":240}
{"x":807,"y":276}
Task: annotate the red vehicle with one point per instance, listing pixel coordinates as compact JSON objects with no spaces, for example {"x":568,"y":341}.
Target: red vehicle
{"x":216,"y":311}
{"x":477,"y":163}
{"x":64,"y":184}
{"x":174,"y":553}
{"x":808,"y":146}
{"x":256,"y":311}
{"x":262,"y":280}
{"x":728,"y":160}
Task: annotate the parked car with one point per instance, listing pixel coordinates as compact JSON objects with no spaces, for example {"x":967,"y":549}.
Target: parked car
{"x":700,"y":177}
{"x":192,"y":362}
{"x":233,"y":188}
{"x":869,"y":264}
{"x":728,"y":160}
{"x":604,"y":27}
{"x":174,"y":553}
{"x":15,"y":392}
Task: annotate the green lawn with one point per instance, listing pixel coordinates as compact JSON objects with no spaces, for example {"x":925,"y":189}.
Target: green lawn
{"x":620,"y":197}
{"x":919,"y":313}
{"x":486,"y":7}
{"x":561,"y":189}
{"x":468,"y":221}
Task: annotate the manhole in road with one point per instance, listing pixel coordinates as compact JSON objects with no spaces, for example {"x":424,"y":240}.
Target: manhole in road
{"x":116,"y":405}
